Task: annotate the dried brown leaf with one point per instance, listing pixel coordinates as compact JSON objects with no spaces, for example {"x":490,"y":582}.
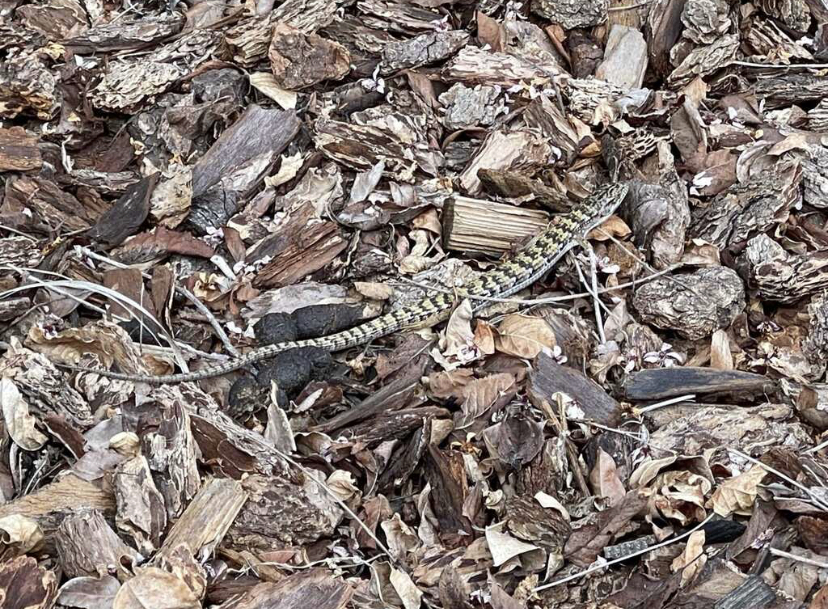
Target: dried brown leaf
{"x":524,"y":336}
{"x":736,"y":495}
{"x":20,"y":423}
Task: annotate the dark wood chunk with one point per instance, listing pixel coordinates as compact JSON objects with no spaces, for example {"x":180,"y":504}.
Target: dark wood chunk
{"x":549,"y":377}
{"x":662,"y":383}
{"x":127,"y":215}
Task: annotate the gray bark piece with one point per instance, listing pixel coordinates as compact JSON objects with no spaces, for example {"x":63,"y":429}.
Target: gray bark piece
{"x":625,"y":59}
{"x":422,"y":50}
{"x":570,"y":14}
{"x":467,"y":107}
{"x":693,"y":305}
{"x":258,"y":130}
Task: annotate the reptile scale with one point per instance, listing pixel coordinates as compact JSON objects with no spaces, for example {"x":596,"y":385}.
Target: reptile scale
{"x":514,"y":274}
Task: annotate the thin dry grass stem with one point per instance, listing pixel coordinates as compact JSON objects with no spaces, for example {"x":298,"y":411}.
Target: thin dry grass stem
{"x":225,"y":340}
{"x":676,"y":400}
{"x":595,"y":568}
{"x":819,"y":446}
{"x":802,"y":559}
{"x":780,"y":66}
{"x":61,"y":286}
{"x":815,"y":498}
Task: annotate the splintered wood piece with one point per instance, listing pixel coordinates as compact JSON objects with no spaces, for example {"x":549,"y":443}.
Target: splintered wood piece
{"x":473,"y":225}
{"x":87,"y":546}
{"x":549,"y":377}
{"x":52,"y":503}
{"x":662,"y":383}
{"x":258,"y":131}
{"x":208,"y":517}
{"x":18,"y":150}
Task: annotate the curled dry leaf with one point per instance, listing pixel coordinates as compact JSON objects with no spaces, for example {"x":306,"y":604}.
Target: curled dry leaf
{"x":374,"y":291}
{"x":408,"y":592}
{"x":524,"y":336}
{"x":89,"y":592}
{"x":19,"y":421}
{"x":23,"y":533}
{"x":459,"y":342}
{"x":614,"y":227}
{"x":737,"y":495}
{"x":692,"y":560}
{"x":604,"y":479}
{"x":504,"y":547}
{"x":343,"y":485}
{"x":155,"y":588}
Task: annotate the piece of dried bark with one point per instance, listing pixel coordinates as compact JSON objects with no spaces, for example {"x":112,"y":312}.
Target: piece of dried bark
{"x":159,"y":243}
{"x":18,"y":150}
{"x":87,"y":546}
{"x":301,"y":60}
{"x":594,"y":403}
{"x":781,"y":276}
{"x":571,"y":14}
{"x":315,"y":588}
{"x":791,"y":89}
{"x":258,"y":131}
{"x":267,"y":522}
{"x":469,"y":107}
{"x":695,"y":304}
{"x":422,"y":50}
{"x":793,"y":13}
{"x":659,"y":217}
{"x":207,"y":518}
{"x":141,"y":513}
{"x":37,"y":204}
{"x":513,"y":150}
{"x":27,"y":87}
{"x":662,"y":383}
{"x":127,"y":215}
{"x":301,"y":246}
{"x":473,"y":65}
{"x":126,"y":33}
{"x":704,"y":61}
{"x":55,"y":19}
{"x":473,"y":225}
{"x":625,"y":58}
{"x":747,"y":209}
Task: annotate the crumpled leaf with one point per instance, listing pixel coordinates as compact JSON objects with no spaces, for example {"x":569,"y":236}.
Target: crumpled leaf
{"x":459,"y":341}
{"x":89,"y":592}
{"x":342,"y":484}
{"x":604,"y":479}
{"x":408,"y":592}
{"x":692,"y":559}
{"x":738,"y":494}
{"x":524,"y":336}
{"x":19,"y":421}
{"x":21,"y":532}
{"x":504,"y":547}
{"x":155,"y":588}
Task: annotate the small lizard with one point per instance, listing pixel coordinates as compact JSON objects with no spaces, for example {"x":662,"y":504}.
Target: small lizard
{"x":512,"y":275}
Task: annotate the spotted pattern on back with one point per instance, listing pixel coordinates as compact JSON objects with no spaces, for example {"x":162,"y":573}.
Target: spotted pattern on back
{"x":520,"y":271}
